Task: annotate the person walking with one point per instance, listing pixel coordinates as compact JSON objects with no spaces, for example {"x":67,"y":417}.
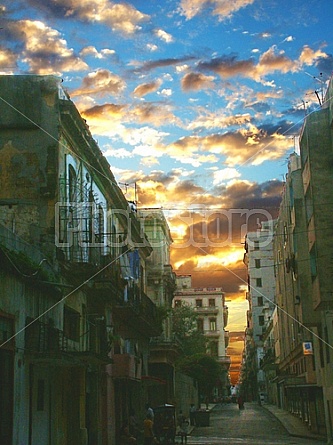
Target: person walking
{"x":148,"y":430}
{"x":192,"y":414}
{"x":133,"y":424}
{"x":240,"y":402}
{"x":126,"y":437}
{"x":184,"y":431}
{"x":150,"y":410}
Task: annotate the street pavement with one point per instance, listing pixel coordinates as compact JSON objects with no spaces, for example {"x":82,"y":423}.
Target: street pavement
{"x":255,"y":425}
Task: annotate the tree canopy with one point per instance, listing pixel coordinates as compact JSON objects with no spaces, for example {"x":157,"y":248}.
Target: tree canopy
{"x":204,"y":369}
{"x":185,"y":326}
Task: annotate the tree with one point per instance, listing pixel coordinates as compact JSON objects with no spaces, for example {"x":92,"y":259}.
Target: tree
{"x":185,"y":326}
{"x":204,"y":369}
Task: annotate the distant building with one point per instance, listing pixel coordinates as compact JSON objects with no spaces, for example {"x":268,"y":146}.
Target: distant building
{"x":259,"y":260}
{"x":164,"y":349}
{"x":209,"y":303}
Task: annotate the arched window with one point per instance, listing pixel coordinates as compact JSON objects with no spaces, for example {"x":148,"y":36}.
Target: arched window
{"x":72,"y":184}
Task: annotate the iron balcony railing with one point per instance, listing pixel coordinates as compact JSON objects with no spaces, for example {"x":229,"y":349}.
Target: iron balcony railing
{"x":43,"y":338}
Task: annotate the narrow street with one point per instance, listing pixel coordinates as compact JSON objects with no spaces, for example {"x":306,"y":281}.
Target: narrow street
{"x":252,"y":426}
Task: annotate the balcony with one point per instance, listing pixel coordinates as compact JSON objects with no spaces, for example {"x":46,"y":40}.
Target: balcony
{"x":109,"y":284}
{"x":126,"y":366}
{"x":207,"y":310}
{"x":225,"y":361}
{"x":164,"y":350}
{"x":48,"y":344}
{"x":138,"y":313}
{"x":226,"y":338}
{"x":29,"y":262}
{"x":225,"y":315}
{"x":212,"y":333}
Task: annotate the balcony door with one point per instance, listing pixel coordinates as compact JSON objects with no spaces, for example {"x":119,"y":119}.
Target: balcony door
{"x":6,"y":396}
{"x":40,"y":427}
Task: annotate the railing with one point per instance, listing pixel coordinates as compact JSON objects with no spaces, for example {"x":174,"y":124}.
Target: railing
{"x":207,"y":309}
{"x":137,"y":300}
{"x":224,"y":360}
{"x":42,"y":338}
{"x":13,"y":243}
{"x":212,"y":333}
{"x":165,"y":341}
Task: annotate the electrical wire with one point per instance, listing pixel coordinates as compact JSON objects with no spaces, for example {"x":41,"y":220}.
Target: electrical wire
{"x":114,"y":183}
{"x":62,"y":299}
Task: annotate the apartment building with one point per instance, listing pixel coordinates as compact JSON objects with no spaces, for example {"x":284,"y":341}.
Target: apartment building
{"x":259,"y":261}
{"x":316,"y":152}
{"x":75,"y":317}
{"x":209,"y":304}
{"x":298,"y":389}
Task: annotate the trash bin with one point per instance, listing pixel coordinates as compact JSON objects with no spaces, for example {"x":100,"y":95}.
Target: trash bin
{"x":202,"y":418}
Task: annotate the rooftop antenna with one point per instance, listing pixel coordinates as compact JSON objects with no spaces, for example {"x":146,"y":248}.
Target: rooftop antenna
{"x":319,"y":93}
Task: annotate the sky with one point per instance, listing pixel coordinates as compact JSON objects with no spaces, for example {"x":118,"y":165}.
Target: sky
{"x":196,"y":104}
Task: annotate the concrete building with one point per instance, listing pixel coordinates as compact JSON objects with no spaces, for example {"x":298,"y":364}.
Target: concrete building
{"x":75,"y":317}
{"x":259,"y":260}
{"x":164,"y":349}
{"x":298,"y":389}
{"x":209,"y":303}
{"x":316,"y":151}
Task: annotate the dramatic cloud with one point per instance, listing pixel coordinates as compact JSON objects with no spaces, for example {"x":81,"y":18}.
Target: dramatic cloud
{"x":248,"y":145}
{"x":270,"y":61}
{"x":109,"y":118}
{"x":161,"y":63}
{"x":8,"y":59}
{"x":43,"y":48}
{"x":217,"y":119}
{"x":163,"y":35}
{"x":224,"y":9}
{"x":120,"y":17}
{"x":196,"y":81}
{"x":92,"y":51}
{"x":146,"y":88}
{"x":100,"y":82}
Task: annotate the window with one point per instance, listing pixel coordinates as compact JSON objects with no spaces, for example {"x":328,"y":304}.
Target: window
{"x":260,"y":301}
{"x":256,"y":245}
{"x":211,"y":302}
{"x":72,"y":185}
{"x":261,"y":320}
{"x":214,"y":350}
{"x":198,"y":303}
{"x":313,"y":262}
{"x":200,"y":325}
{"x":308,"y":204}
{"x":258,"y":282}
{"x":327,"y":345}
{"x":71,"y":324}
{"x":212,"y":324}
{"x":257,"y":263}
{"x":6,"y":329}
{"x":40,"y":395}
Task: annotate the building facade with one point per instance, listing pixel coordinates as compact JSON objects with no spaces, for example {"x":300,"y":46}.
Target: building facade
{"x":316,"y":152}
{"x":75,"y":317}
{"x":298,"y":389}
{"x":259,"y":260}
{"x":164,"y":349}
{"x":209,"y":304}
{"x":298,"y":339}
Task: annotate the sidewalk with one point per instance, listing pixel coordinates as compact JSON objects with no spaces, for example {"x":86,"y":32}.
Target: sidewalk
{"x":295,"y":426}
